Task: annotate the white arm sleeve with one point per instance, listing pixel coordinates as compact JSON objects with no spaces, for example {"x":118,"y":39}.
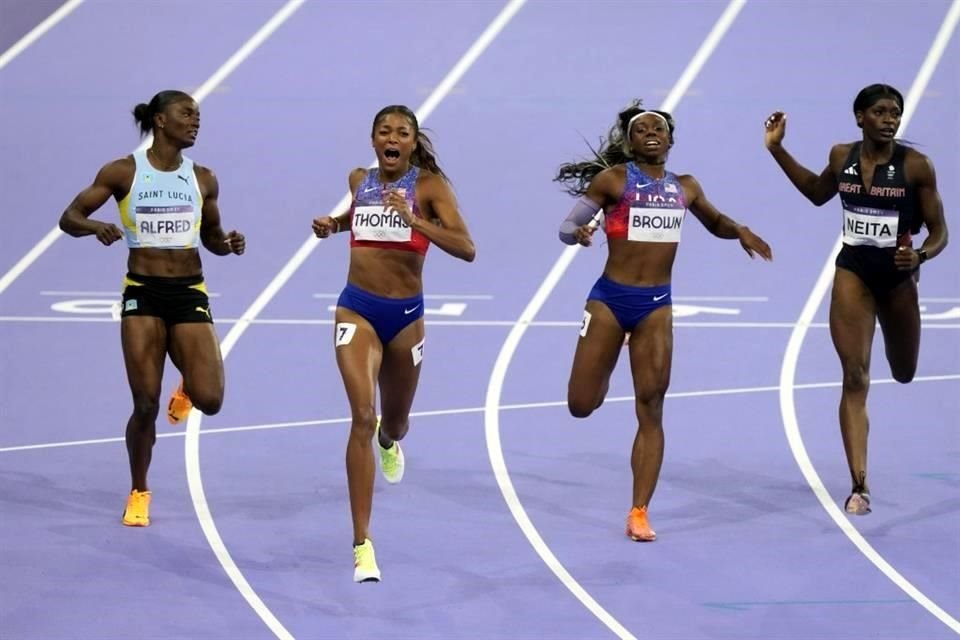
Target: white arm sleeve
{"x":584,"y":210}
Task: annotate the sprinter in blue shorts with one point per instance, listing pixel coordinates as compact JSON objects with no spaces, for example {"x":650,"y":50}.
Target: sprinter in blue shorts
{"x":642,"y":206}
{"x":398,"y":209}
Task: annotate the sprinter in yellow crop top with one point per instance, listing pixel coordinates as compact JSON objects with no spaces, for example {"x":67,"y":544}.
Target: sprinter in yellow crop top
{"x":168,"y":207}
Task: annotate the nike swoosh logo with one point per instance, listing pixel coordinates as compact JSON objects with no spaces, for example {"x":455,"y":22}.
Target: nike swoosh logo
{"x":641,"y":186}
{"x":369,"y":189}
{"x":659,"y":298}
{"x":407,"y":312}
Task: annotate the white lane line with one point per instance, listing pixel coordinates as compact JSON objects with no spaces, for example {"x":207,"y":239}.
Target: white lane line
{"x":38,"y":31}
{"x":105,"y":294}
{"x":191,"y":443}
{"x":721,"y":298}
{"x":791,"y":357}
{"x":205,"y":90}
{"x":192,"y":439}
{"x":466,"y":410}
{"x":426,"y":296}
{"x":458,"y":323}
{"x":502,"y":364}
{"x":247,"y":49}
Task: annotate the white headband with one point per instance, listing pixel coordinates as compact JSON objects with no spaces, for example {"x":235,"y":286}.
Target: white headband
{"x":644,"y":113}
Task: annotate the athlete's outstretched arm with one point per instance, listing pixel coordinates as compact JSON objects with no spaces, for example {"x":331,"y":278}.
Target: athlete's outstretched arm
{"x":113,"y":179}
{"x":451,"y":233}
{"x":720,"y":224}
{"x":818,"y":189}
{"x":211,"y":233}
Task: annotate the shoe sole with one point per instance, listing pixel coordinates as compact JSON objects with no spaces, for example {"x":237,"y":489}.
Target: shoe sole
{"x":124,"y":522}
{"x":636,"y":539}
{"x":393,"y":480}
{"x":651,"y":538}
{"x":858,"y":512}
{"x":370,"y":577}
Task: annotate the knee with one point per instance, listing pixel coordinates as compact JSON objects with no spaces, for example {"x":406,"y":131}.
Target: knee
{"x":363,"y":424}
{"x":581,"y":409}
{"x":208,"y":399}
{"x":856,"y":378}
{"x":581,"y":401}
{"x":205,"y":396}
{"x":903,"y":363}
{"x":902,"y":367}
{"x":208,"y":403}
{"x":649,"y":408}
{"x":146,"y":407}
{"x":395,"y":429}
{"x":904,"y":375}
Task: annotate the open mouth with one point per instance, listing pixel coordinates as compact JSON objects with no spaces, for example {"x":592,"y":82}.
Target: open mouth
{"x":391,"y":154}
{"x":651,"y":144}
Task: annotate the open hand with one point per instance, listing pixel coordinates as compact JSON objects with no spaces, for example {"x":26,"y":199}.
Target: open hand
{"x":752,"y":243}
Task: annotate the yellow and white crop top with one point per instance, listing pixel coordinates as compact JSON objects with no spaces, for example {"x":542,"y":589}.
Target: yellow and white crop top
{"x":163,"y":208}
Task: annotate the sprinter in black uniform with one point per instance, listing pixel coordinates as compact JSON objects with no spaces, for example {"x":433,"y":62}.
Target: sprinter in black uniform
{"x":888,"y":192}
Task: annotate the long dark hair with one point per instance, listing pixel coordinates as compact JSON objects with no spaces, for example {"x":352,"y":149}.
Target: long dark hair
{"x":612,"y":150}
{"x":144,"y":112}
{"x":423,"y":156}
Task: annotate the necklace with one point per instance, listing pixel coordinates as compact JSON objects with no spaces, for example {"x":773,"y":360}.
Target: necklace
{"x":151,"y":152}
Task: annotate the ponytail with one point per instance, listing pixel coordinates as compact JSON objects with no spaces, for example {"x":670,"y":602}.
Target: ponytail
{"x":144,"y":113}
{"x":425,"y":157}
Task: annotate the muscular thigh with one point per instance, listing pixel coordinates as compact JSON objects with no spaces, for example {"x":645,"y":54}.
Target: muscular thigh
{"x":144,"y":342}
{"x":359,"y":357}
{"x":853,"y":316}
{"x":195,"y":351}
{"x":599,"y":345}
{"x":400,"y":371}
{"x":651,"y":354}
{"x":899,"y":315}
